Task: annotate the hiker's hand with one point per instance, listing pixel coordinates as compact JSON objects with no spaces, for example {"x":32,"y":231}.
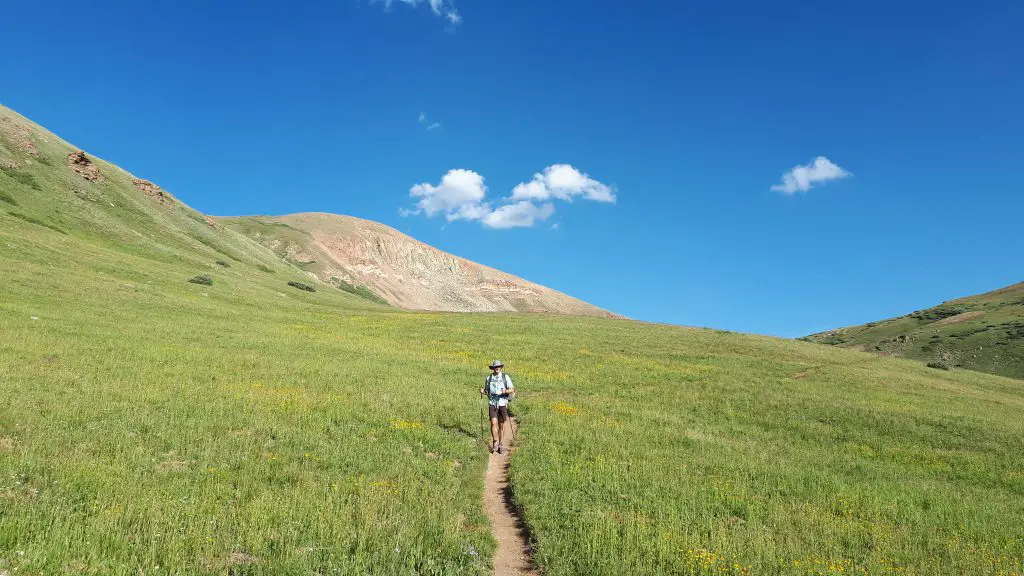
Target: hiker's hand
{"x":481,"y":391}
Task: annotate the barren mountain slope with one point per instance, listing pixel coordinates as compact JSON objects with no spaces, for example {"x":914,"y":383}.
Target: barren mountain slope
{"x":355,"y":253}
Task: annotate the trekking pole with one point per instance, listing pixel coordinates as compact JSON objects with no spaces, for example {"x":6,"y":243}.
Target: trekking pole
{"x":482,"y":436}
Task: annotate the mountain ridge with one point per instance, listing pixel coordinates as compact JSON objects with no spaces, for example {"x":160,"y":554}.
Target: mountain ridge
{"x":347,"y":250}
{"x":50,"y":182}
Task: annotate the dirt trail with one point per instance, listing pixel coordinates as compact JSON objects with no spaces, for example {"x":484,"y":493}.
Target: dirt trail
{"x":512,"y":557}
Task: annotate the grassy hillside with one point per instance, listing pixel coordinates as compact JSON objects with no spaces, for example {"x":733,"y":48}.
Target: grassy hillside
{"x":984,"y":332}
{"x":118,"y":211}
{"x":149,"y":425}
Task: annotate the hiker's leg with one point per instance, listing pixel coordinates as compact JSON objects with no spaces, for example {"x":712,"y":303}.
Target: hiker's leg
{"x":492,"y":415}
{"x":495,"y":430}
{"x":502,"y":417}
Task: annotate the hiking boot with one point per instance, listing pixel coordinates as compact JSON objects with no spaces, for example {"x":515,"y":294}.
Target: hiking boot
{"x":501,"y":448}
{"x":493,"y":447}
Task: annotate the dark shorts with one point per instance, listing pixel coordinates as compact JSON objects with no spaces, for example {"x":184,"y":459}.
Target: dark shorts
{"x":499,"y":412}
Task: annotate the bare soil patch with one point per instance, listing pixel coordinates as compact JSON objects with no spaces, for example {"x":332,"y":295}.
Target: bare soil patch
{"x":964,"y":317}
{"x":230,"y":564}
{"x":514,"y":555}
{"x":171,"y":466}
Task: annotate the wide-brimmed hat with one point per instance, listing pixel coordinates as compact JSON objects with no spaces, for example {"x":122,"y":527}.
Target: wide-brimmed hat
{"x":496,"y":364}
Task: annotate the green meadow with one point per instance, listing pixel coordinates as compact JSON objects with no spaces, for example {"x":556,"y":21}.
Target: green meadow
{"x":149,"y":425}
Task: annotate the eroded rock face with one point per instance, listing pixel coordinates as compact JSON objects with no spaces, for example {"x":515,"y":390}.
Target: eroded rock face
{"x":410,"y":274}
{"x":83,"y":166}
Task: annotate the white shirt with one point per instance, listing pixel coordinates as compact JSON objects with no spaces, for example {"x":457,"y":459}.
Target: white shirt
{"x":496,"y":385}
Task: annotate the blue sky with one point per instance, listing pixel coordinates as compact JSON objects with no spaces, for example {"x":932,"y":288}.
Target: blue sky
{"x":686,"y":113}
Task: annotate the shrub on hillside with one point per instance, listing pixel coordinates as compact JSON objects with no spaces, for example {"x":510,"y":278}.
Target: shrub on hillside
{"x":938,"y":364}
{"x":265,"y":268}
{"x":360,"y":290}
{"x":222,"y":263}
{"x":301,"y":286}
{"x":203,"y":279}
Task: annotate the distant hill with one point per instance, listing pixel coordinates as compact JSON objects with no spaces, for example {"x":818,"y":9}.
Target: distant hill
{"x":374,"y":259}
{"x":50,"y":183}
{"x":984,"y":332}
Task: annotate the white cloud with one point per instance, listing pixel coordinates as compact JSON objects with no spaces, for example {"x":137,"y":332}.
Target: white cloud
{"x":803,"y":178}
{"x":442,"y":8}
{"x":519,"y":215}
{"x":459,"y":196}
{"x":429,"y":124}
{"x":562,"y":181}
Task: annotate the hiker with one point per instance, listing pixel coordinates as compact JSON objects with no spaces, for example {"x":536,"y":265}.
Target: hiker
{"x":499,"y":390}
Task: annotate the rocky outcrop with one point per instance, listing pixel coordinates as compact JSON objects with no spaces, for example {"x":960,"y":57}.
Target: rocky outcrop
{"x":83,"y":166}
{"x":154,"y":192}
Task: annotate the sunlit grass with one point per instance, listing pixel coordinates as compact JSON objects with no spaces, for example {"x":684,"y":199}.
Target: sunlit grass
{"x":153,"y":426}
{"x":151,"y":422}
